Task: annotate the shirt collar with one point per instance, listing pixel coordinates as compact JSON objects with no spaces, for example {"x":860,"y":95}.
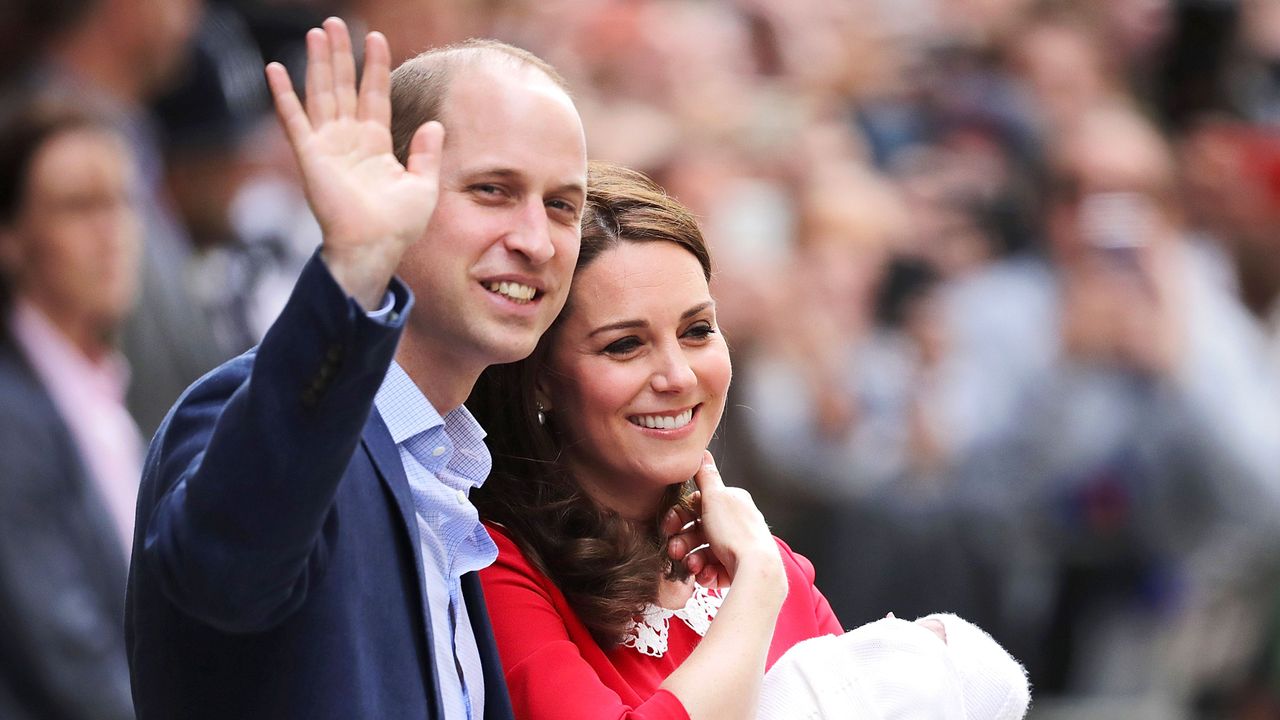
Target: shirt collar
{"x":58,"y":361}
{"x":403,"y":407}
{"x":408,"y":413}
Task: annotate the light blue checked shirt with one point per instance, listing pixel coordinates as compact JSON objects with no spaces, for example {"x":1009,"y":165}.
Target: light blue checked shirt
{"x":444,"y":458}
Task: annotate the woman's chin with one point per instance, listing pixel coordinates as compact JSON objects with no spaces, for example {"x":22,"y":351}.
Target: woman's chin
{"x":687,"y":469}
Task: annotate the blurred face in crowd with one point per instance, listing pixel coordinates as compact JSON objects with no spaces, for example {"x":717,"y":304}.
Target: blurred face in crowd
{"x":637,"y":373}
{"x":1259,"y":28}
{"x":1137,"y":29}
{"x":851,"y":221}
{"x":1063,"y":68}
{"x":1115,"y":179}
{"x":164,"y":28}
{"x":75,"y":241}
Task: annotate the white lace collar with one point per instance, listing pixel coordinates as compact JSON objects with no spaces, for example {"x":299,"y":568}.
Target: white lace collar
{"x":648,"y":634}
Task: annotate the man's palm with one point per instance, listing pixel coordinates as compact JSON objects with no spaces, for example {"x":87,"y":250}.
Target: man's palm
{"x":358,"y":190}
{"x":370,"y":207}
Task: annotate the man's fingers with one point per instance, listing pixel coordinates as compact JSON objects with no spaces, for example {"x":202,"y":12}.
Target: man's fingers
{"x":321,"y":105}
{"x":343,"y":63}
{"x":374,"y":102}
{"x":425,"y":150}
{"x":708,"y":477}
{"x":288,"y":107}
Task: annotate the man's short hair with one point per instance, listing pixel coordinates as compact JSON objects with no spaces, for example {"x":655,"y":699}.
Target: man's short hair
{"x":30,"y":122}
{"x":420,"y":85}
{"x":27,"y":125}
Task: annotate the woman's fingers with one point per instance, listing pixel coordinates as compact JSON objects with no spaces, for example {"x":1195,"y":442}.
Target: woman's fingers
{"x":677,"y":520}
{"x":694,"y":562}
{"x":709,"y":576}
{"x":685,"y":542}
{"x":708,"y":477}
{"x":689,"y":539}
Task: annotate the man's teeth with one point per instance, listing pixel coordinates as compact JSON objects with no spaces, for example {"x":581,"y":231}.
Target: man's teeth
{"x":663,"y":422}
{"x":515,"y":291}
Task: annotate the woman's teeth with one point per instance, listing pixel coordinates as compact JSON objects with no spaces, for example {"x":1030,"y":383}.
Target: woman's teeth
{"x":515,"y":291}
{"x":663,"y":422}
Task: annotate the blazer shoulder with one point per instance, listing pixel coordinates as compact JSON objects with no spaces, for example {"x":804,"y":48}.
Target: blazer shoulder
{"x":35,"y":444}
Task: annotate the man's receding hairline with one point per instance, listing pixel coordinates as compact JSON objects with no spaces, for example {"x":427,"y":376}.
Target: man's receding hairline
{"x":476,"y":53}
{"x":421,"y":85}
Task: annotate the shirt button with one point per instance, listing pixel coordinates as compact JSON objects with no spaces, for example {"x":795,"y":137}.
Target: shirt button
{"x":462,"y":498}
{"x":438,"y":451}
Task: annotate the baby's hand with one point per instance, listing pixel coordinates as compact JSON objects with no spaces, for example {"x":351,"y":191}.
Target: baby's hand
{"x":934,"y":626}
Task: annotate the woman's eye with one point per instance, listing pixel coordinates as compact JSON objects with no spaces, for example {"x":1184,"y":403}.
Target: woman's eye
{"x":623,"y":346}
{"x":700,"y":331}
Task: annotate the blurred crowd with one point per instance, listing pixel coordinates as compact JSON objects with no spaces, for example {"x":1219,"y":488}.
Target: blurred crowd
{"x":1001,"y":279}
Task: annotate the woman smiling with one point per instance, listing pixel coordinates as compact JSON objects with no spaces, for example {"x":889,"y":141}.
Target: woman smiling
{"x":595,"y":438}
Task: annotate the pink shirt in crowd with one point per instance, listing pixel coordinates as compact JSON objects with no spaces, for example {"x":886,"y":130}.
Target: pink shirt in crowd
{"x":90,"y":398}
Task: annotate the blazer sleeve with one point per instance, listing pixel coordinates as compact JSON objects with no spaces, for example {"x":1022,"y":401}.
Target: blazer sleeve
{"x":239,"y":482}
{"x":547,"y":675}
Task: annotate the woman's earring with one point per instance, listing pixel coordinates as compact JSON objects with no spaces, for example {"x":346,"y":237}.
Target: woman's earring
{"x":542,"y":415}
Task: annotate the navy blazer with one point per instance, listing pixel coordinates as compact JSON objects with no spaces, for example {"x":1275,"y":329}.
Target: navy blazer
{"x":277,"y":570}
{"x":62,"y":568}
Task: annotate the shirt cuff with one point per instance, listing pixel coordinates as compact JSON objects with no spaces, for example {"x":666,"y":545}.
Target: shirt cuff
{"x":388,"y":304}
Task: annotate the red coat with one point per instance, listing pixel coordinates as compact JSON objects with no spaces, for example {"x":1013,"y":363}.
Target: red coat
{"x":556,"y":671}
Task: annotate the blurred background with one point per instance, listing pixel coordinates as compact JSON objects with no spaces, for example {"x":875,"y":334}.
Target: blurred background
{"x":1001,"y":280}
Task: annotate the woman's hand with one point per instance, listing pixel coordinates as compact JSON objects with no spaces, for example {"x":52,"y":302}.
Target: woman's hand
{"x":723,"y":535}
{"x":741,"y":551}
{"x":369,"y":206}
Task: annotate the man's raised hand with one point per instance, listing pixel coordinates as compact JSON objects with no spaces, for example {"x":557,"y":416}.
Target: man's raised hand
{"x":369,"y":206}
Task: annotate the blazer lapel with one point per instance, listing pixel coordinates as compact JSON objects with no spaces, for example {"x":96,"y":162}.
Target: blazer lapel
{"x":386,"y":460}
{"x":497,"y":703}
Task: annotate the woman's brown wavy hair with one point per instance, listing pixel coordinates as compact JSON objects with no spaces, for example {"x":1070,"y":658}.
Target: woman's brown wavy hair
{"x":608,"y":567}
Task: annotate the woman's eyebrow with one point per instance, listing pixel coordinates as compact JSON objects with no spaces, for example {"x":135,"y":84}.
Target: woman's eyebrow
{"x":620,"y":325}
{"x":632,"y":324}
{"x":696,"y":309}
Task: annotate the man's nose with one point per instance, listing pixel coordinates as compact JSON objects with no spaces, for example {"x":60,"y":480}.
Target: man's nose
{"x":531,"y":235}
